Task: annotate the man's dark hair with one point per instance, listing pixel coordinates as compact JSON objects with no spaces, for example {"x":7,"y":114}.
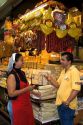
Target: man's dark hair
{"x":69,"y":56}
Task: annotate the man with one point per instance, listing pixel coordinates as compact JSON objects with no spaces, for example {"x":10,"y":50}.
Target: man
{"x":68,"y":86}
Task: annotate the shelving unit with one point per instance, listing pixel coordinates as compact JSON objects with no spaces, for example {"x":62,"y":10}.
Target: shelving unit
{"x":52,"y":121}
{"x":49,"y":121}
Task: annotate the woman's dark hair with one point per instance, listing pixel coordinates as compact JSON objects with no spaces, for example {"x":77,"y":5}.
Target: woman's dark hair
{"x":69,"y":56}
{"x":17,"y":56}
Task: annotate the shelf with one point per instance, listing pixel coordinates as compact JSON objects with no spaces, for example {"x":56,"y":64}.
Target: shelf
{"x":35,"y":98}
{"x":47,"y":121}
{"x":58,"y":62}
{"x":41,"y":100}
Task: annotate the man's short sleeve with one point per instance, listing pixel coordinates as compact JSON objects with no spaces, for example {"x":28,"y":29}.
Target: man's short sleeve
{"x":76,"y":84}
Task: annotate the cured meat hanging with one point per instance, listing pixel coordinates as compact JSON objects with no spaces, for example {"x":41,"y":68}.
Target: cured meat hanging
{"x":57,"y":45}
{"x":20,"y":42}
{"x":39,"y":43}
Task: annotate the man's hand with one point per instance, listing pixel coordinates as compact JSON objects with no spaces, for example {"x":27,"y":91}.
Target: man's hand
{"x":48,"y":77}
{"x":52,"y":81}
{"x":66,"y":103}
{"x":72,"y":96}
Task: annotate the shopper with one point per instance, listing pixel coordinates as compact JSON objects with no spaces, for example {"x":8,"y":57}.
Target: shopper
{"x":19,"y":105}
{"x":68,"y":86}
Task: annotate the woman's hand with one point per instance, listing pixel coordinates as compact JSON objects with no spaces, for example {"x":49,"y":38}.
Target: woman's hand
{"x":31,"y":87}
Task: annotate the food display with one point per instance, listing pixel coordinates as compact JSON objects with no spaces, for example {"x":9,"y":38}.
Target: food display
{"x":3,"y":82}
{"x":48,"y":26}
{"x":38,"y":77}
{"x":3,"y":77}
{"x":54,"y":56}
{"x":44,"y":107}
{"x":41,"y":35}
{"x":44,"y":56}
{"x":45,"y":111}
{"x":46,"y":92}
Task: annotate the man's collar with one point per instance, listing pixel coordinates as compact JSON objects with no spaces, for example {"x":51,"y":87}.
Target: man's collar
{"x":71,"y":67}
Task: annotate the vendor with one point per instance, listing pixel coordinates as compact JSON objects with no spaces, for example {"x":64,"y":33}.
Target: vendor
{"x":19,"y":105}
{"x":68,"y":86}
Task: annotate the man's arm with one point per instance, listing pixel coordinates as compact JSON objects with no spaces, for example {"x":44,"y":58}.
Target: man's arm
{"x":52,"y":81}
{"x":71,"y":97}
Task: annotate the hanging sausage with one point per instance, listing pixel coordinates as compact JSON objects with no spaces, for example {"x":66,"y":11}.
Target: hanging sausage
{"x":39,"y":43}
{"x":59,"y":44}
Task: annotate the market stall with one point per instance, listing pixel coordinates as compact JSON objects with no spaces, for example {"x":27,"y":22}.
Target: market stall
{"x":40,"y":35}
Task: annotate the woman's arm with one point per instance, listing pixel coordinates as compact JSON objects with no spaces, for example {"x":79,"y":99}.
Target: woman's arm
{"x":11,"y":87}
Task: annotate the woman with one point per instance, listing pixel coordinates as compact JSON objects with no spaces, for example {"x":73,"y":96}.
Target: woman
{"x":19,"y":105}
